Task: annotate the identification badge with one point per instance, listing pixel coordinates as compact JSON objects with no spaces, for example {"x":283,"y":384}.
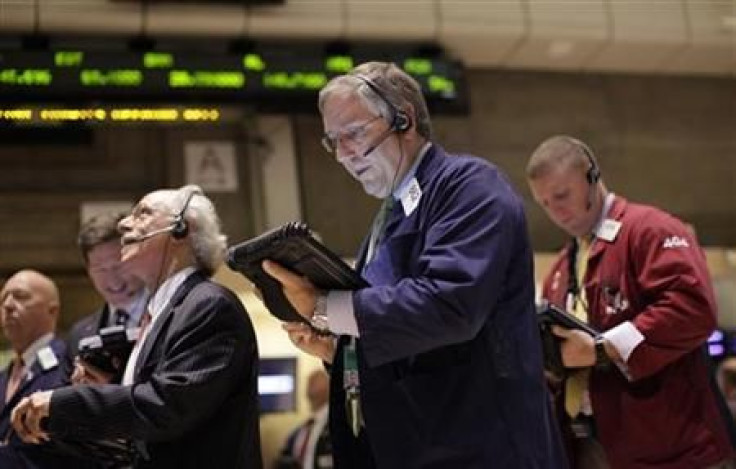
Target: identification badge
{"x":47,"y":359}
{"x":411,"y":196}
{"x":609,"y":230}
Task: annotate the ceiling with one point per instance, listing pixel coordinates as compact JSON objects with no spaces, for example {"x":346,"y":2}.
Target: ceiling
{"x":691,"y":37}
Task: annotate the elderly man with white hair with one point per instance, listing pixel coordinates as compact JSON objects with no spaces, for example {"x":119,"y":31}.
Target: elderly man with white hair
{"x":188,"y":398}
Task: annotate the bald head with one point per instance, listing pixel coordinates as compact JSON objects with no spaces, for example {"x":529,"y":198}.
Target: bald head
{"x":318,"y":389}
{"x":29,"y":308}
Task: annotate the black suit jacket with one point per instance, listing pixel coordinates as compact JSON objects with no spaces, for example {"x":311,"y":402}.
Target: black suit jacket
{"x":16,"y":454}
{"x":288,"y":458}
{"x":194,"y":400}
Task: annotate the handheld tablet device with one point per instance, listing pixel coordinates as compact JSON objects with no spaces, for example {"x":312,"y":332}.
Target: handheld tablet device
{"x":294,"y":247}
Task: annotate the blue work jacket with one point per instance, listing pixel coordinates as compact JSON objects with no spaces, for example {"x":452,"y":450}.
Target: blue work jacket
{"x":449,"y":354}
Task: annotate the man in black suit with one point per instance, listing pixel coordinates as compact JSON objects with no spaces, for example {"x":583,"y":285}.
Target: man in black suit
{"x":309,"y":445}
{"x":29,"y":310}
{"x":124,"y":294}
{"x":188,"y":398}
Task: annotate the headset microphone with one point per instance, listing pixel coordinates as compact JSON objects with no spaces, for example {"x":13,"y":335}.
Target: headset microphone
{"x":398,"y":120}
{"x":379,"y":141}
{"x":145,"y":236}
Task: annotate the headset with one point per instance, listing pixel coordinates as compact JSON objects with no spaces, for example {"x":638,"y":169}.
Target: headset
{"x":179,"y":226}
{"x":593,"y":174}
{"x":399,"y":120}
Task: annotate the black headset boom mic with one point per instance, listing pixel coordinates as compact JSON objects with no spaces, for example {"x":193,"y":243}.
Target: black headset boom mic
{"x":180,"y":227}
{"x":400,"y":121}
{"x":139,"y":239}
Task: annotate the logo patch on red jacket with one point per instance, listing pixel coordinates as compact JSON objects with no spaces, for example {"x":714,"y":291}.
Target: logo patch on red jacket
{"x":675,"y":242}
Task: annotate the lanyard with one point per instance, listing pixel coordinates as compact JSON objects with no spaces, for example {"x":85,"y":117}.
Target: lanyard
{"x":351,"y":381}
{"x":351,"y":384}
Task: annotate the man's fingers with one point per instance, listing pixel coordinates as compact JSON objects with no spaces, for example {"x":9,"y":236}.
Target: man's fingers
{"x":27,"y":415}
{"x":561,"y":332}
{"x":286,"y":277}
{"x":34,"y":425}
{"x":16,"y":415}
{"x":295,"y":327}
{"x":299,"y":333}
{"x":19,"y":420}
{"x":276,"y":271}
{"x":79,"y":374}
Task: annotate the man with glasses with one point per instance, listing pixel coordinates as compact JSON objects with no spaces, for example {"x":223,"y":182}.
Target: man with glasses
{"x":188,"y":397}
{"x":438,"y":362}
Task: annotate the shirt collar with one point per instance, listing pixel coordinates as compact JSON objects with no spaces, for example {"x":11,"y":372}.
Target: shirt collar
{"x":406,"y":180}
{"x":607,"y":204}
{"x":29,"y":354}
{"x":163,"y":293}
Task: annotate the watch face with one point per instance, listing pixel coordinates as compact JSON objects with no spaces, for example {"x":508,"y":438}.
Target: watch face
{"x":319,"y":322}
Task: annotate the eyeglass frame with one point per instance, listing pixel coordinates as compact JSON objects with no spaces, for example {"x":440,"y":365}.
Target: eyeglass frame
{"x":354,"y":135}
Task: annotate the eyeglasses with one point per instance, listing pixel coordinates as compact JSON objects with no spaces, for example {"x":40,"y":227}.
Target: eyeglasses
{"x":355,"y":135}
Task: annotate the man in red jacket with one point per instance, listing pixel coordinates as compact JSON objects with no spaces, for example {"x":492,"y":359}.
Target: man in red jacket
{"x":636,"y":396}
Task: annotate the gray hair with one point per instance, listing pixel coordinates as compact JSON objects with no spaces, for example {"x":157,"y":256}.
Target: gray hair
{"x":208,"y":242}
{"x":396,"y":87}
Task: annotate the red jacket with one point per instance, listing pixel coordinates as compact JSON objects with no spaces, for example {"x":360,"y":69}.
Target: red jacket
{"x":654,"y":275}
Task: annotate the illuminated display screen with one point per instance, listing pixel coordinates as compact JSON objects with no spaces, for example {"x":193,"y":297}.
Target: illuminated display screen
{"x":284,"y":78}
{"x":717,"y":344}
{"x":102,"y":114}
{"x":277,"y":386}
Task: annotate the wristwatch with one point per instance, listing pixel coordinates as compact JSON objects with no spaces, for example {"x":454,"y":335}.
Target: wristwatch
{"x":319,"y":320}
{"x":602,"y":360}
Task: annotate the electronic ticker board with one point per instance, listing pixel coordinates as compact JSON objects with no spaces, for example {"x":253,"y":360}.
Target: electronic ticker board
{"x":283,"y":77}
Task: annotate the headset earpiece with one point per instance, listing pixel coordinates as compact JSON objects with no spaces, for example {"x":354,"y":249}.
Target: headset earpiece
{"x":399,"y":120}
{"x":180,"y":227}
{"x":593,"y":174}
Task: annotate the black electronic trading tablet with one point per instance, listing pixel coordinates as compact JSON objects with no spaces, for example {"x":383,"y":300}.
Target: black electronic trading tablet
{"x":293,"y":246}
{"x":551,"y":314}
{"x":547,"y":316}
